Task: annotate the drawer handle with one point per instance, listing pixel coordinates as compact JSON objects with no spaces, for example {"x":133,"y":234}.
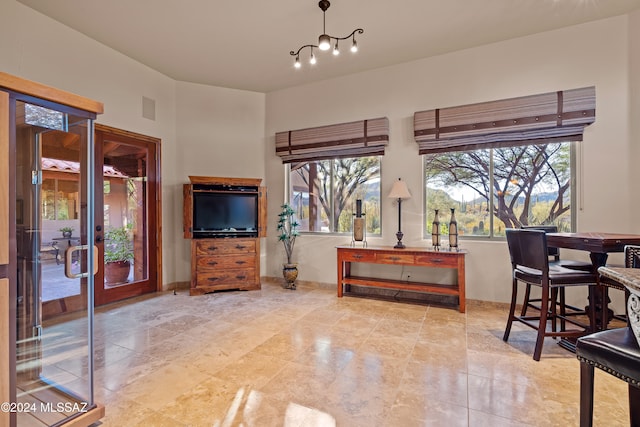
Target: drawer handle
{"x":241,"y":277}
{"x":240,"y":247}
{"x":437,"y":260}
{"x":212,"y":263}
{"x":395,"y":258}
{"x":358,"y":256}
{"x":212,"y":279}
{"x":240,"y":262}
{"x":213,"y":248}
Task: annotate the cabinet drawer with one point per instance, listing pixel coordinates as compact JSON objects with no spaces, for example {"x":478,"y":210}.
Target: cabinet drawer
{"x":358,"y":256}
{"x":230,"y":261}
{"x":224,"y":246}
{"x":394,"y":258}
{"x":221,"y":277}
{"x":437,"y":260}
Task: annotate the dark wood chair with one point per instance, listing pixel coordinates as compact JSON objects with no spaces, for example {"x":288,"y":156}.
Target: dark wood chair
{"x":554,"y":260}
{"x":554,"y":253}
{"x":631,"y":260}
{"x":616,"y":352}
{"x":530,"y":266}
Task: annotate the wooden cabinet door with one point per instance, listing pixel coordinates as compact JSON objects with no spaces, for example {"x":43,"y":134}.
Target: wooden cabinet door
{"x":262,"y":212}
{"x":187,"y":211}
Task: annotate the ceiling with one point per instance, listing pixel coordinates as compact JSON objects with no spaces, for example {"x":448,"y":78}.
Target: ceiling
{"x":246,"y":44}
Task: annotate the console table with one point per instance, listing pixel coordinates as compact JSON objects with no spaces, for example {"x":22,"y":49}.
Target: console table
{"x":414,"y":257}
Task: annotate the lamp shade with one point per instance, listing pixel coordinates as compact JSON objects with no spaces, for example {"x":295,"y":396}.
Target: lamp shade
{"x":324,"y":42}
{"x":399,"y":190}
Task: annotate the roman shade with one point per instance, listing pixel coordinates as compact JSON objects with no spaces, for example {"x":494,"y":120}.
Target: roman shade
{"x":535,"y":119}
{"x":353,"y":139}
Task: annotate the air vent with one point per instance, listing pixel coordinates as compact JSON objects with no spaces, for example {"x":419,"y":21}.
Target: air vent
{"x":148,"y":108}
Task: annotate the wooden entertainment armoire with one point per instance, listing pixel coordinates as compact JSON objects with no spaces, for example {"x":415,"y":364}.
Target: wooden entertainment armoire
{"x":230,"y":258}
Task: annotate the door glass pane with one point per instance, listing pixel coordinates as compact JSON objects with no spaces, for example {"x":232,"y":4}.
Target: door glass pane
{"x":54,"y":349}
{"x":125,"y":214}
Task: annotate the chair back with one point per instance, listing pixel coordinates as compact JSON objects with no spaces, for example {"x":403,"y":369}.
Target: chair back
{"x":551,"y":251}
{"x":528,"y":248}
{"x":632,"y":256}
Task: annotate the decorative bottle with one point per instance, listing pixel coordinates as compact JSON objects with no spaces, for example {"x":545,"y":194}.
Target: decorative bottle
{"x":453,"y":231}
{"x":435,"y":231}
{"x":359,"y":226}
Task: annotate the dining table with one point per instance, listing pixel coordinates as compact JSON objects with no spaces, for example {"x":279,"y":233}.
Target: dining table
{"x":630,"y":278}
{"x":599,"y":245}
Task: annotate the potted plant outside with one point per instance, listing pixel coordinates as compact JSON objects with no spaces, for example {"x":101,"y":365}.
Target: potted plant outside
{"x":288,"y":229}
{"x":118,"y":255}
{"x":66,"y":232}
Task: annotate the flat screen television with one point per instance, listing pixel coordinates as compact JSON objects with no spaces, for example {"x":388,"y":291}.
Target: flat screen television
{"x":225,"y":214}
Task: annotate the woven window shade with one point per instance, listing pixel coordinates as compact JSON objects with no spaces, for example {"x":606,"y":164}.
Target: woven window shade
{"x":536,"y":119}
{"x":354,"y":139}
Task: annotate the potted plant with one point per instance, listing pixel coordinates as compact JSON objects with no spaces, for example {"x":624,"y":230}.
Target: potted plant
{"x":288,"y":229}
{"x":66,"y":232}
{"x":118,"y":254}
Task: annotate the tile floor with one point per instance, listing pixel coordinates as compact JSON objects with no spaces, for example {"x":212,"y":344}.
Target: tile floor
{"x":277,"y":357}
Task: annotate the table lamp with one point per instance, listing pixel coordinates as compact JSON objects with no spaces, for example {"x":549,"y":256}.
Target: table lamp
{"x":401,"y":192}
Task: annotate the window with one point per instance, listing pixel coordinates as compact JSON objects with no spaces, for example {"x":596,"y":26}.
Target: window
{"x":60,"y":198}
{"x":505,"y":163}
{"x":497,"y":188}
{"x":323,"y":193}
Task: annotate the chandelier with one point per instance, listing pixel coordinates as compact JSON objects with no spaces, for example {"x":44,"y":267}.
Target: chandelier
{"x":324,"y":41}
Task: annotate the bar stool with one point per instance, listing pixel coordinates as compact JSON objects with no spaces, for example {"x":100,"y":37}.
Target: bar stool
{"x":616,"y":352}
{"x":554,"y":261}
{"x":631,"y":260}
{"x":530,"y":265}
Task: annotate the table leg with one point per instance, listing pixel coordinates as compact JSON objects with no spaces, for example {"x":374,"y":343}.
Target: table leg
{"x":461,"y":285}
{"x":598,"y":298}
{"x":595,"y":303}
{"x":339,"y":277}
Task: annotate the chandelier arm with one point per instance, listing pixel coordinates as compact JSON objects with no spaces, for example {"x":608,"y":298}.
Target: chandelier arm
{"x":357,"y":30}
{"x":292,"y":53}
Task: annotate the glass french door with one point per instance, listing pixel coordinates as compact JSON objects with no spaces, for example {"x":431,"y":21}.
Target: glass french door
{"x":56,"y":261}
{"x":126,"y":215}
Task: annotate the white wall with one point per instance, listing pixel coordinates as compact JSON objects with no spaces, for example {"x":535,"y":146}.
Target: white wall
{"x":221,"y":133}
{"x":590,"y":54}
{"x":38,"y":48}
{"x":634,"y":142}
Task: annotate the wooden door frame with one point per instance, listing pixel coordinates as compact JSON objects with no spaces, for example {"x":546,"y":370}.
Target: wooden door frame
{"x":102,"y":131}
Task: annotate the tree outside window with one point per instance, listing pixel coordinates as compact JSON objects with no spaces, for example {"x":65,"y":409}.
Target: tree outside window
{"x":499,"y":188}
{"x":323,"y":193}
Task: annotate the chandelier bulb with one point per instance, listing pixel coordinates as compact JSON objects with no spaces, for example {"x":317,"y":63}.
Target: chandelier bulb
{"x":297,"y":63}
{"x":324,"y":42}
{"x":312,"y":61}
{"x":336,"y":52}
{"x":354,"y":45}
